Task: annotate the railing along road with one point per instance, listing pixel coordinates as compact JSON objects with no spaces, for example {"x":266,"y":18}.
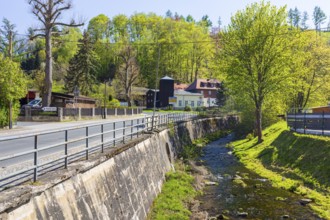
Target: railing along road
{"x":24,"y":158}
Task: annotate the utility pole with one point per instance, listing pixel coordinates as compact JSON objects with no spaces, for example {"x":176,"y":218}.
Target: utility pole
{"x":10,"y":55}
{"x":155,"y":96}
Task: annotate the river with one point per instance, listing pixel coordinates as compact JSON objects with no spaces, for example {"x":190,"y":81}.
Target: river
{"x":241,"y":193}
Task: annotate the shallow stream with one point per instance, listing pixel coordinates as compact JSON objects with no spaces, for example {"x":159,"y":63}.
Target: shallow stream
{"x":240,"y":193}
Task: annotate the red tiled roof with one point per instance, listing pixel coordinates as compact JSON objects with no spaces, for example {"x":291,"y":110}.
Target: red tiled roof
{"x":209,"y":84}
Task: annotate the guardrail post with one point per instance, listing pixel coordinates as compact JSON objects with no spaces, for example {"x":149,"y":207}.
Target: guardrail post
{"x":87,"y":143}
{"x":93,"y":112}
{"x":102,"y":138}
{"x":323,"y":123}
{"x":114,"y":134}
{"x":124,"y":128}
{"x":305,"y":122}
{"x":132,"y":128}
{"x":66,"y":150}
{"x":35,"y":173}
{"x":138,"y":126}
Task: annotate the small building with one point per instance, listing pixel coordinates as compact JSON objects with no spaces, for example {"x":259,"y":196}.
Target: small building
{"x":185,"y":98}
{"x":208,"y":88}
{"x":150,"y":97}
{"x":166,"y":90}
{"x":69,"y":101}
{"x":321,"y":109}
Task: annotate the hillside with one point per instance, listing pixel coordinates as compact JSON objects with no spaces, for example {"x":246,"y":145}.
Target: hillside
{"x":296,"y":162}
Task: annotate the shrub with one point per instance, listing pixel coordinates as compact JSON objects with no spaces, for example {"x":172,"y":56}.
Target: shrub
{"x":187,"y":108}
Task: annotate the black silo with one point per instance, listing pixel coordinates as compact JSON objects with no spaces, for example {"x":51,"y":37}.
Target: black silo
{"x":166,"y":90}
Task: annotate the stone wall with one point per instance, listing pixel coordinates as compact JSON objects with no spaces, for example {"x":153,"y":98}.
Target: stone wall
{"x":116,"y":185}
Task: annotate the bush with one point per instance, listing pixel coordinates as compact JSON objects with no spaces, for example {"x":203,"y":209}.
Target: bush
{"x":187,"y":108}
{"x":114,"y":103}
{"x":249,"y":136}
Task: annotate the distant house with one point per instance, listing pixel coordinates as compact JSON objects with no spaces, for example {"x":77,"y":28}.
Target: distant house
{"x":208,"y":88}
{"x":180,"y":86}
{"x":150,"y":97}
{"x":69,"y":101}
{"x":185,"y":98}
{"x":202,"y":92}
{"x":321,"y":109}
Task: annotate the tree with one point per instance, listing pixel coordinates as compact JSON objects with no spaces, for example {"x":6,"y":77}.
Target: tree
{"x":13,"y":86}
{"x":304,"y":20}
{"x":48,"y":13}
{"x":206,"y":21}
{"x":255,"y":52}
{"x":297,"y":17}
{"x":10,"y":45}
{"x":98,"y":27}
{"x":318,"y":17}
{"x":128,"y":71}
{"x":82,"y":68}
{"x":221,"y":97}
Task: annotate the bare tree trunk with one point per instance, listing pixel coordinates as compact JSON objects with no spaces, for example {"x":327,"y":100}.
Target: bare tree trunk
{"x":47,"y":97}
{"x":259,"y":124}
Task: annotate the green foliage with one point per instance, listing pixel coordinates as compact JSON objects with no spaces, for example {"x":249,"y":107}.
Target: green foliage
{"x":177,"y":191}
{"x":187,"y":108}
{"x":13,"y":85}
{"x":292,"y":162}
{"x":83,"y":68}
{"x":255,"y":56}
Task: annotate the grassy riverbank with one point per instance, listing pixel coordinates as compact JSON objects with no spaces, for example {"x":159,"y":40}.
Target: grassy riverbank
{"x":178,"y":190}
{"x":296,"y":162}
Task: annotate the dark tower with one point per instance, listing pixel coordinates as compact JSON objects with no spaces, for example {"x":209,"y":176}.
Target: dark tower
{"x":166,"y":90}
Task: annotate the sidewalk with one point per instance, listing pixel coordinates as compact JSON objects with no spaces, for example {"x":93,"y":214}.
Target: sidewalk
{"x":24,"y":128}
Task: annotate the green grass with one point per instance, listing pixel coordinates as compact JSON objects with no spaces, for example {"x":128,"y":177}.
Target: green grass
{"x":296,"y":162}
{"x":177,"y":191}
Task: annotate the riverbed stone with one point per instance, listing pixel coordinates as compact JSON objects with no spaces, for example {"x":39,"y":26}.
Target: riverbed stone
{"x":285,"y":216}
{"x":305,"y":201}
{"x":242,"y":214}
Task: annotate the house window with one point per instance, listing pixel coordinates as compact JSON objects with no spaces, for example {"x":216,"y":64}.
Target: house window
{"x":198,"y":103}
{"x":210,"y":92}
{"x":186,"y":103}
{"x":192,"y":103}
{"x":180,"y":103}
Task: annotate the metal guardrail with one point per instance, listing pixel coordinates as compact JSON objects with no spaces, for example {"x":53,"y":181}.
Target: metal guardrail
{"x":310,"y":123}
{"x":70,"y":145}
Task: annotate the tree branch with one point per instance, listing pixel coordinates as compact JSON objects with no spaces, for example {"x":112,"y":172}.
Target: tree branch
{"x":67,"y":25}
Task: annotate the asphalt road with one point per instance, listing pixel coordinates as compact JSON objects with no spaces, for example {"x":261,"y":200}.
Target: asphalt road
{"x":12,"y":147}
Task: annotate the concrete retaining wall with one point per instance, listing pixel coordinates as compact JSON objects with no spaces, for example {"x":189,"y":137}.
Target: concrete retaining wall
{"x":112,"y":186}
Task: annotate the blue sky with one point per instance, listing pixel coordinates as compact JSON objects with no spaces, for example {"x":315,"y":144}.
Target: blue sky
{"x":18,"y":11}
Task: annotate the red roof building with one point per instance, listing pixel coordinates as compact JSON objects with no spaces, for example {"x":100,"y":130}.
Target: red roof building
{"x":208,"y":87}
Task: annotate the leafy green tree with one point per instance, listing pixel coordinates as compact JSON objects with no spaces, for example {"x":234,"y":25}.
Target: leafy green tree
{"x":83,"y":67}
{"x":222,"y":96}
{"x":8,"y":35}
{"x":48,"y":14}
{"x":13,"y":85}
{"x":98,"y":27}
{"x":310,"y":68}
{"x":318,"y":17}
{"x":256,"y":49}
{"x":128,"y":72}
{"x":304,"y":20}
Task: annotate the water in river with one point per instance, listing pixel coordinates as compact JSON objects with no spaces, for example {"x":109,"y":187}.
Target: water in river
{"x":240,"y":193}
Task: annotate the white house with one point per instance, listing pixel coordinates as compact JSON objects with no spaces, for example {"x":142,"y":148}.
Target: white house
{"x":184,"y":98}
